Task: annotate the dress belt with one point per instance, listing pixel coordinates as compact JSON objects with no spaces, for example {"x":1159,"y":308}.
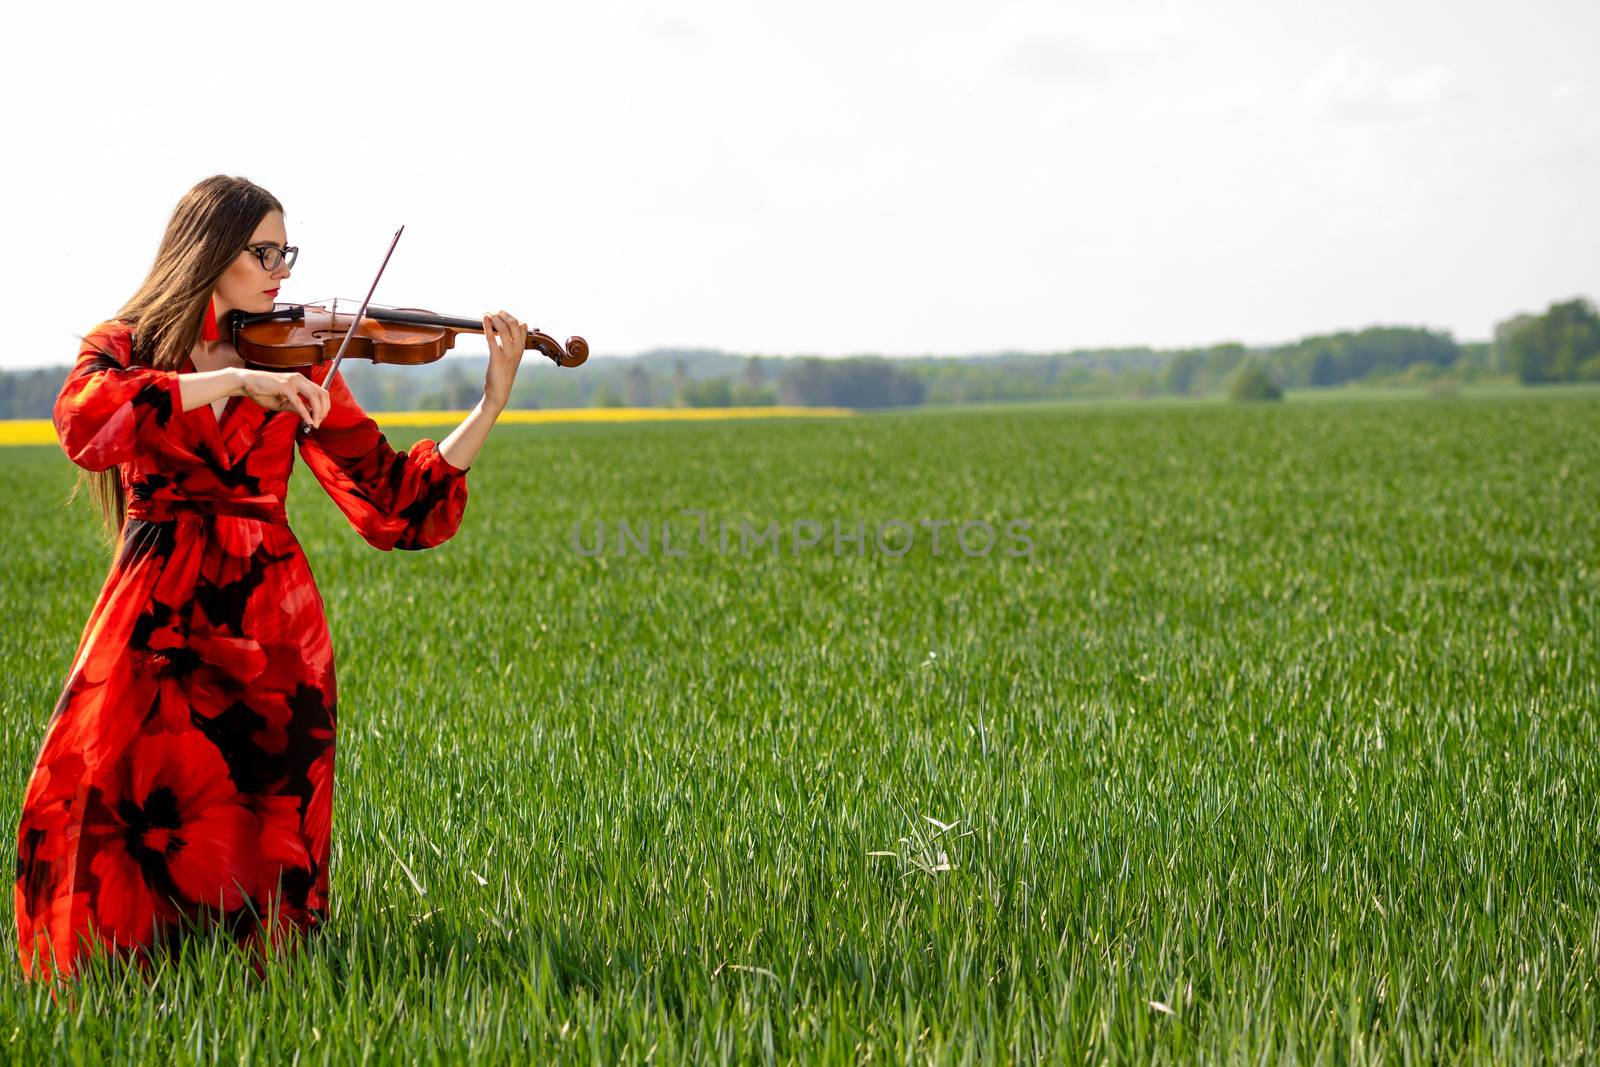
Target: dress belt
{"x":166,"y":510}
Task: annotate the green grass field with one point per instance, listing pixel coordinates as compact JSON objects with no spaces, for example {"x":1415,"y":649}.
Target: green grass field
{"x":1280,"y":747}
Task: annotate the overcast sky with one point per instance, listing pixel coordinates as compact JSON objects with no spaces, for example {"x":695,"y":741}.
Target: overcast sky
{"x":833,"y":178}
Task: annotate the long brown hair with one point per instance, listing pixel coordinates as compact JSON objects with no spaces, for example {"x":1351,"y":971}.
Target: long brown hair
{"x":209,"y":227}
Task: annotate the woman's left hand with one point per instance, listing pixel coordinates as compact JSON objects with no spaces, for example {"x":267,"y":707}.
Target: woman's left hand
{"x":508,"y":339}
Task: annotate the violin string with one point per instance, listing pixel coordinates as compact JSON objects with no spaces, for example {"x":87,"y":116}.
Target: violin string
{"x":330,"y":301}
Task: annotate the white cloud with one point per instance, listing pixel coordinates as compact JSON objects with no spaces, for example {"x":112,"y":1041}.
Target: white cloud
{"x":671,"y":28}
{"x":1242,"y":100}
{"x":1050,"y":42}
{"x":1346,"y":87}
{"x":1344,"y":81}
{"x":1568,"y":91}
{"x":1421,"y":87}
{"x":1352,"y":87}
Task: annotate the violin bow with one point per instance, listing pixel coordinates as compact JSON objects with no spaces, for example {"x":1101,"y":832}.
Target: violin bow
{"x":305,"y":428}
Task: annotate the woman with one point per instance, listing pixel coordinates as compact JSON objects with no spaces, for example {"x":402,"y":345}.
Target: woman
{"x":186,"y":776}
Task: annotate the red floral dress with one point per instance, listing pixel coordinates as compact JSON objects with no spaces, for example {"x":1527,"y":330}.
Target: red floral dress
{"x":186,"y":776}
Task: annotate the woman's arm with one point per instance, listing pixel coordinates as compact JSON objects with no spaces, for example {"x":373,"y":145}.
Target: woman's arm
{"x":407,"y":499}
{"x":108,"y":407}
{"x":273,"y":390}
{"x":461,"y":447}
{"x":206,"y":387}
{"x":507,"y":338}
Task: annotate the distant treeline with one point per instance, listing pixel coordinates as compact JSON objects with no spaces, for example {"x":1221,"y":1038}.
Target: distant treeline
{"x":1562,"y":344}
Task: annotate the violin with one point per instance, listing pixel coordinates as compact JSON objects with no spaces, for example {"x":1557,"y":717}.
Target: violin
{"x":305,"y":335}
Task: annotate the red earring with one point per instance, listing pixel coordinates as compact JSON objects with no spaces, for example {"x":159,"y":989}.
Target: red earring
{"x":208,"y":322}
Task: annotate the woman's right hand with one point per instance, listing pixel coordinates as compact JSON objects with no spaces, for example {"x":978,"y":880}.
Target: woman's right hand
{"x":286,"y":391}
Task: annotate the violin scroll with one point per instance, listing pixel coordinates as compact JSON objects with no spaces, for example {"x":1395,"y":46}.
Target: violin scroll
{"x":573,"y":355}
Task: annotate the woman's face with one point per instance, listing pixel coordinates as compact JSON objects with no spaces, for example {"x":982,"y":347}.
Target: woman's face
{"x":246,"y":285}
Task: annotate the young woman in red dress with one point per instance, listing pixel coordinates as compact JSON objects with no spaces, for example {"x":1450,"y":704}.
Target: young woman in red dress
{"x":186,"y":775}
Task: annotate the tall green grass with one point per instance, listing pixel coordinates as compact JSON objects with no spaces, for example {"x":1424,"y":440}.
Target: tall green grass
{"x":1280,"y":747}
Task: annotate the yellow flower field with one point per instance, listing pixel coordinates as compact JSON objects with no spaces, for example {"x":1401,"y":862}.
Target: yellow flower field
{"x":42,"y":432}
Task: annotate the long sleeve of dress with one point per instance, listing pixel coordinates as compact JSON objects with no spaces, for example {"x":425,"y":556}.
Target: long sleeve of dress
{"x":409,"y":500}
{"x":106,"y":407}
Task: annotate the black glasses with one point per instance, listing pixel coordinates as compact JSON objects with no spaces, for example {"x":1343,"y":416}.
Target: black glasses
{"x":271,"y":255}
